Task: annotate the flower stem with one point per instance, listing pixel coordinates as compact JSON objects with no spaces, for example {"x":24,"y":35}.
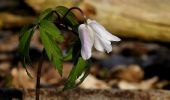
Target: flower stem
{"x":40,"y":63}
{"x":58,"y":15}
{"x":76,"y":8}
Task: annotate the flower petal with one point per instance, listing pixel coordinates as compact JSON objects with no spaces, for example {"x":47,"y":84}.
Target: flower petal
{"x":87,"y":40}
{"x":98,"y":28}
{"x":98,"y":45}
{"x":102,"y":44}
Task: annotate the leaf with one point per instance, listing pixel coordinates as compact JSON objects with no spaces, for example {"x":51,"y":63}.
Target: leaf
{"x":45,"y":15}
{"x":70,"y":18}
{"x":24,"y":65}
{"x":76,"y":71}
{"x":86,"y":73}
{"x":54,"y":53}
{"x":24,"y":42}
{"x":24,"y":29}
{"x":52,"y":30}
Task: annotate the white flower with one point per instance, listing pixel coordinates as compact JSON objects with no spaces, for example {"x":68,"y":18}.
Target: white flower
{"x":95,"y":34}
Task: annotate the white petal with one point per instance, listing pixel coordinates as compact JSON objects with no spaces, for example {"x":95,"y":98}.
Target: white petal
{"x":87,"y":40}
{"x":98,"y":28}
{"x":102,"y":45}
{"x":89,"y":21}
{"x":98,"y":45}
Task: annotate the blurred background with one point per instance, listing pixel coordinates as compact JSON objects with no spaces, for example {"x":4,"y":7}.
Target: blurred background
{"x":140,"y":61}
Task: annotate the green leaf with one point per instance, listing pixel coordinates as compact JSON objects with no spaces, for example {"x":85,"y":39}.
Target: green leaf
{"x":86,"y":73}
{"x":24,"y":65}
{"x":70,"y":19}
{"x":78,"y":68}
{"x":24,"y":29}
{"x":24,"y":42}
{"x":54,"y":53}
{"x":52,"y":30}
{"x":46,"y":14}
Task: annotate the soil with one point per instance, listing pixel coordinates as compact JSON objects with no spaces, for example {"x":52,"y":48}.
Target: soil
{"x":82,"y":94}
